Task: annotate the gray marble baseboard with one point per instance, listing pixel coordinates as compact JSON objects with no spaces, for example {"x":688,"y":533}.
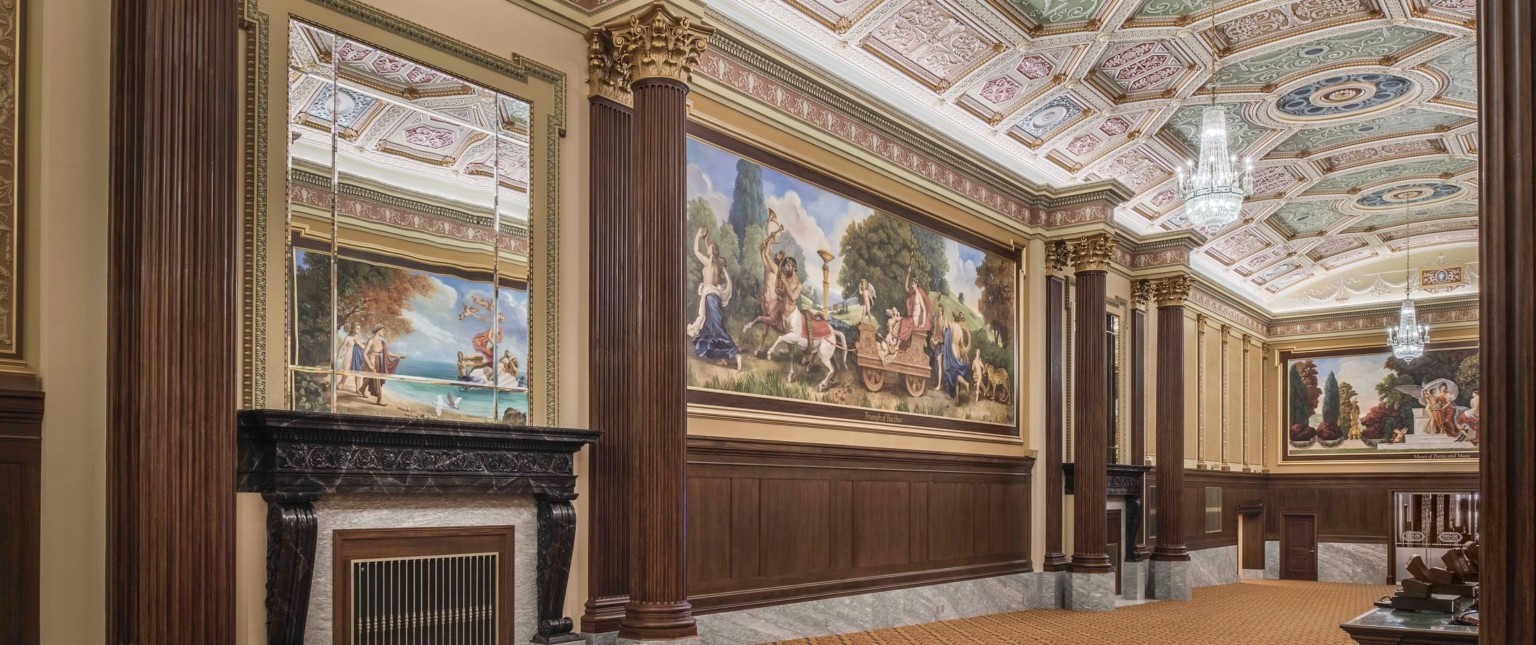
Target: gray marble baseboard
{"x":1133,"y":580}
{"x":1251,"y":574}
{"x":600,"y":638}
{"x":1210,"y":567}
{"x":1170,"y":580}
{"x":1271,"y":559}
{"x":882,"y":609}
{"x":1091,"y":592}
{"x":1352,"y":562}
{"x":691,"y":640}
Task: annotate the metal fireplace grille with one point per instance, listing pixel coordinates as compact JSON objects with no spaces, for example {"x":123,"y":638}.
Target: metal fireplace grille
{"x":432,"y":599}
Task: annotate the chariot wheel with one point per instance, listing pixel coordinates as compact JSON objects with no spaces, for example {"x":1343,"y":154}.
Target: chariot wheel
{"x":872,"y":377}
{"x":915,"y":385}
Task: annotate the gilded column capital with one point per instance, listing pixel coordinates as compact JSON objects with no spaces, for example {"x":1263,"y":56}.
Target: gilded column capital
{"x":657,"y":43}
{"x":1172,"y":291}
{"x":607,"y":75}
{"x":1092,"y":253}
{"x":1142,"y":292}
{"x":1202,"y":323}
{"x":1058,"y":256}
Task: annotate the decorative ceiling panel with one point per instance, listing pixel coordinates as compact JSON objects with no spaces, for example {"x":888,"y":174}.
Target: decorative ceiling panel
{"x":1353,"y":107}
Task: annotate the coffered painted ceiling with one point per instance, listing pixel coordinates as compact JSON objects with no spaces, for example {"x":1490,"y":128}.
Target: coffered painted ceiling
{"x":1360,"y":115}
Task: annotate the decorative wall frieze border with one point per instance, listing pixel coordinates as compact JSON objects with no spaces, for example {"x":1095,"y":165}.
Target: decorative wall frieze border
{"x":1464,"y":311}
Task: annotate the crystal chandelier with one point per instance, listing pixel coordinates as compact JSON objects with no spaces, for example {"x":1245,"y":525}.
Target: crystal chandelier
{"x":1214,"y":188}
{"x":1408,"y":337}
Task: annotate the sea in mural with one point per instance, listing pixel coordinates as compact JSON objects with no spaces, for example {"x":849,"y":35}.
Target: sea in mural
{"x":795,"y":292}
{"x":1375,"y":406}
{"x":404,"y":342}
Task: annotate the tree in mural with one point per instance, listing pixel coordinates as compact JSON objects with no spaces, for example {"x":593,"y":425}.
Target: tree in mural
{"x":1300,"y":413}
{"x":1308,"y":370}
{"x":879,"y":249}
{"x":931,"y":245}
{"x":996,"y":277}
{"x":375,"y":295}
{"x":747,"y":206}
{"x":1329,"y":429}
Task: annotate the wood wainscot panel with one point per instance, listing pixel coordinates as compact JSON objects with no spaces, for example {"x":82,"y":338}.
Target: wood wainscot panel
{"x":776,"y":522}
{"x":21,"y":429}
{"x":1353,"y":507}
{"x":1238,"y":489}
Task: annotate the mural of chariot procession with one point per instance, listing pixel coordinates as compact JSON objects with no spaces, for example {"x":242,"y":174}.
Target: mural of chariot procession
{"x":881,"y":315}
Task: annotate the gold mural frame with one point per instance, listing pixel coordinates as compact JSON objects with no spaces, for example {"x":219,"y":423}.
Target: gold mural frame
{"x":13,"y":69}
{"x":719,"y":405}
{"x":1282,"y":433}
{"x":542,"y":85}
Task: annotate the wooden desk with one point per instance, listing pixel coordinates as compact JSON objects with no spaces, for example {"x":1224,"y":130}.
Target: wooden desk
{"x":1382,"y":626}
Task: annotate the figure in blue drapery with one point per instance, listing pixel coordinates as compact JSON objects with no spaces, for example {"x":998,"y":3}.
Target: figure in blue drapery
{"x":711,"y":341}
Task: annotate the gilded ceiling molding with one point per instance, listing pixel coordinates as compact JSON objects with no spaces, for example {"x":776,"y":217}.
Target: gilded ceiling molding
{"x":657,"y":43}
{"x":607,"y":76}
{"x":1092,"y":253}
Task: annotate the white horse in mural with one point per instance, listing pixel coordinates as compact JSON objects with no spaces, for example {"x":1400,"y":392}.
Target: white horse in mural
{"x":825,"y":347}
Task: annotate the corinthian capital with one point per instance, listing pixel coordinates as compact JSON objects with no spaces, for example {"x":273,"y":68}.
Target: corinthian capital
{"x":658,"y":44}
{"x":607,"y":75}
{"x":1172,"y":291}
{"x":1092,"y":253}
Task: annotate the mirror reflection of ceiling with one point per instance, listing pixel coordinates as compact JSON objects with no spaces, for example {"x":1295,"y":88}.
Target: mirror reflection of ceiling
{"x":1360,"y":115}
{"x":440,"y":140}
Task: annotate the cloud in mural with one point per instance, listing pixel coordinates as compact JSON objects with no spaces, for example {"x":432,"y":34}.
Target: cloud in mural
{"x":962,"y":272}
{"x":814,"y":225}
{"x":700,"y":185}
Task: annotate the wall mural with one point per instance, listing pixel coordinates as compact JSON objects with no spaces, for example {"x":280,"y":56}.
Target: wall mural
{"x":1370,"y":405}
{"x":803,"y":300}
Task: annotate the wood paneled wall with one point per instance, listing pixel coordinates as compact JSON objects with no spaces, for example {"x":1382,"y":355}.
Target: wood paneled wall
{"x":1350,"y":507}
{"x":771,"y":522}
{"x":21,"y":431}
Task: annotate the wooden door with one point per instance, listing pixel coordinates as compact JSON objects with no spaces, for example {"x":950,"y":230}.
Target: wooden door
{"x":1252,"y":542}
{"x":1298,"y":547}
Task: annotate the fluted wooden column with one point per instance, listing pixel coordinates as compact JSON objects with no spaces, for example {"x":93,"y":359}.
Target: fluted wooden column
{"x":1055,"y":367}
{"x":658,"y":48}
{"x":1506,"y":244}
{"x":1090,"y":385}
{"x":1170,"y":293}
{"x":613,"y":320}
{"x":171,"y":322}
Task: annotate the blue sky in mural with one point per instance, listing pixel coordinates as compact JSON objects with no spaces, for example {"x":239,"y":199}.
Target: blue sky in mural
{"x":814,"y":216}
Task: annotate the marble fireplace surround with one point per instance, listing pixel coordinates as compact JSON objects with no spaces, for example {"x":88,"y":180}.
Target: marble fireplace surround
{"x":296,"y":459}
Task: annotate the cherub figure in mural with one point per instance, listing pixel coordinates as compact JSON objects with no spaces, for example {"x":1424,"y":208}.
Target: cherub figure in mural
{"x":378,"y":360}
{"x":954,"y":346}
{"x":710,"y":340}
{"x":349,"y":357}
{"x":867,"y":298}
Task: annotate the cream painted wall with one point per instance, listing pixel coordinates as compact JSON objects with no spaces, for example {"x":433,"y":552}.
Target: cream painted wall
{"x":68,"y":51}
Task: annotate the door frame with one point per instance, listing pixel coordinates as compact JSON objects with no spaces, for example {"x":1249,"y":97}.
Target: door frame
{"x":1284,"y":552}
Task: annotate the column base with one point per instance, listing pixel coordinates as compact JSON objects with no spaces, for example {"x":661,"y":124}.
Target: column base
{"x":1170,"y":580}
{"x":1091,"y":591}
{"x":1133,"y":580}
{"x":686,"y":640}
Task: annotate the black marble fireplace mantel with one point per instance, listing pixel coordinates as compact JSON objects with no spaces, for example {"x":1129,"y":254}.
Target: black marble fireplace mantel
{"x":1125,"y":480}
{"x":295,"y":458}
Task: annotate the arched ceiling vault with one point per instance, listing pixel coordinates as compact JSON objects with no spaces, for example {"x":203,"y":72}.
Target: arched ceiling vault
{"x":1360,"y":115}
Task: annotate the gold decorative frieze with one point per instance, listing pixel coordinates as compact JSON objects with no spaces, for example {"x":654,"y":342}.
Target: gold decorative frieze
{"x":607,"y":75}
{"x":1173,"y":291}
{"x":656,"y":43}
{"x":1092,"y":253}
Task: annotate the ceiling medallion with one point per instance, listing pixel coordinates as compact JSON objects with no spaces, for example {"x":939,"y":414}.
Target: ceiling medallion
{"x":1395,"y":196}
{"x":1344,"y":95}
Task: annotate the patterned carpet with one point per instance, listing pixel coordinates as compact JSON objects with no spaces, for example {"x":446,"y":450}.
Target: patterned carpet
{"x":1281,"y":612}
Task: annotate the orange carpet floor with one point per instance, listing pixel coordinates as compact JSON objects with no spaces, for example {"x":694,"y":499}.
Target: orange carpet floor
{"x":1255,"y":612}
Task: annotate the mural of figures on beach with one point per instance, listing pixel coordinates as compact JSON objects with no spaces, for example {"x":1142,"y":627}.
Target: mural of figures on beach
{"x":405,"y":342}
{"x":1373,"y":406}
{"x":802,"y":300}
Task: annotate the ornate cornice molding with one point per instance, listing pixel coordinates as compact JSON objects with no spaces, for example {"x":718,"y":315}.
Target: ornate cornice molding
{"x":1454,"y":312}
{"x":1092,"y":253}
{"x":657,"y":43}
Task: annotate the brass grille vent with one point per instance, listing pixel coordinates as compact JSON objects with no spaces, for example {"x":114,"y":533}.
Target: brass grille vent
{"x":451,"y":586}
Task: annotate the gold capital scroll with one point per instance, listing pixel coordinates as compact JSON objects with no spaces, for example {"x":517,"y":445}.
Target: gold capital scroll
{"x":607,"y":75}
{"x":1172,"y":291}
{"x":656,"y":43}
{"x":1142,"y":292}
{"x":1058,"y":257}
{"x":1092,"y":253}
